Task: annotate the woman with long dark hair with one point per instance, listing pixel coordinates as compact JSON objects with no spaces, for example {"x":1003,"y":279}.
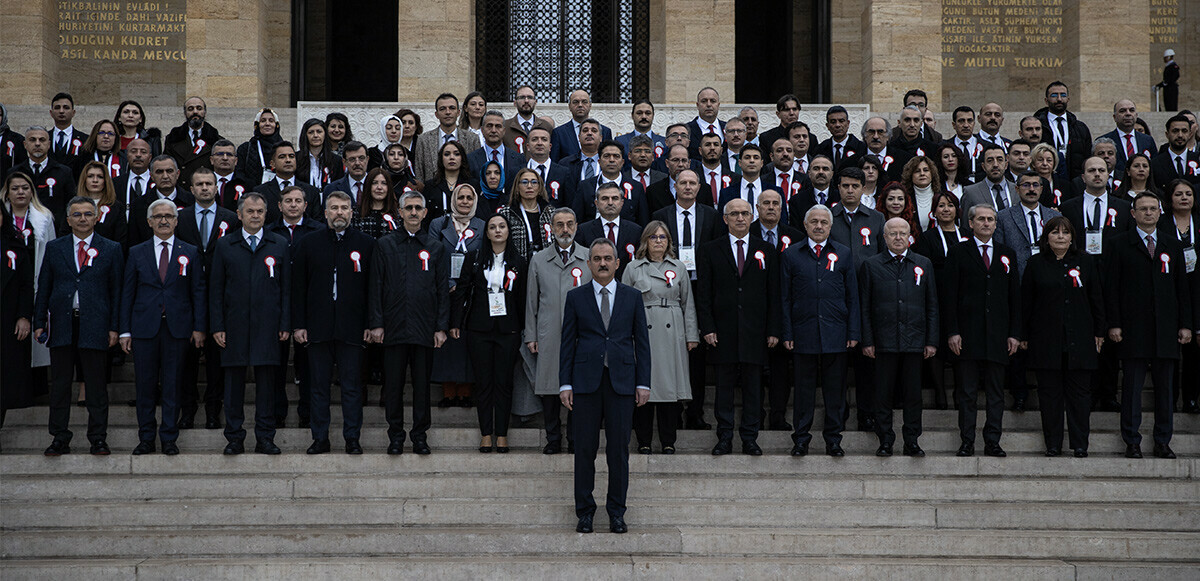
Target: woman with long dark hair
{"x":34,"y":224}
{"x":131,"y":122}
{"x":16,"y":315}
{"x":934,"y":244}
{"x":102,"y":146}
{"x":921,"y":183}
{"x":1180,"y":219}
{"x":316,"y":163}
{"x":954,"y":168}
{"x":253,"y":156}
{"x":411,"y":124}
{"x":337,"y":130}
{"x":473,"y":108}
{"x":95,"y":184}
{"x":395,"y":163}
{"x":894,"y":202}
{"x":528,"y":213}
{"x":872,"y":182}
{"x":379,"y":212}
{"x":452,"y":169}
{"x":1136,"y":177}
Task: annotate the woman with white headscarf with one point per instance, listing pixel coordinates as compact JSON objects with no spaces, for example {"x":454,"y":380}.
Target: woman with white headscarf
{"x":391,"y":130}
{"x":253,"y":156}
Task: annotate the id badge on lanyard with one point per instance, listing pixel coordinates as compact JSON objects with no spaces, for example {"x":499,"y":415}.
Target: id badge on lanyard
{"x":456,"y":264}
{"x":1095,"y":241}
{"x":687,"y":255}
{"x":496,"y":307}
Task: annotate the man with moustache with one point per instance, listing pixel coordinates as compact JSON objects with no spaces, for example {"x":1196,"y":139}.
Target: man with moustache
{"x":1129,"y":141}
{"x":191,"y":143}
{"x":1031,"y":129}
{"x":919,"y":99}
{"x":708,"y":105}
{"x":677,"y":134}
{"x":643,"y":123}
{"x":874,"y":133}
{"x":664,"y":193}
{"x":801,"y":138}
{"x":991,"y":118}
{"x":819,"y":191}
{"x":641,"y":158}
{"x":909,"y":139}
{"x":611,"y":225}
{"x":995,"y":189}
{"x":749,"y":116}
{"x":136,"y":178}
{"x":780,"y":174}
{"x":1060,"y":128}
{"x":230,"y":184}
{"x":165,"y":172}
{"x":735,"y":139}
{"x":355,"y":158}
{"x":964,"y":139}
{"x":772,"y":229}
{"x":66,"y":141}
{"x":841,"y":146}
{"x":517,"y":127}
{"x":53,"y":181}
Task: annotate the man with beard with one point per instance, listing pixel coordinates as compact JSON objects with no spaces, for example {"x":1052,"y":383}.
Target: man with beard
{"x":1070,"y":136}
{"x":643,"y":123}
{"x":787,"y":108}
{"x":191,"y":143}
{"x":517,"y":127}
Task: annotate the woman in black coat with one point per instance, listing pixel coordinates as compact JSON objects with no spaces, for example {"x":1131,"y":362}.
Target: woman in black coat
{"x":493,"y":334}
{"x":1063,"y":305}
{"x":16,"y":312}
{"x":934,"y":244}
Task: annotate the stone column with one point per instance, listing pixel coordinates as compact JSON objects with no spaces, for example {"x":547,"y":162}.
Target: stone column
{"x":229,"y":44}
{"x":437,"y":44}
{"x":901,"y":50}
{"x":29,"y":51}
{"x":698,"y":44}
{"x":1105,"y":45}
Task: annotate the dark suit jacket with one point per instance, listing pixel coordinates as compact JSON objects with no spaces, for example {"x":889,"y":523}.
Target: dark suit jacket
{"x":315,"y":260}
{"x":587,"y":344}
{"x":660,"y":144}
{"x":406,"y":296}
{"x":1162,"y":167}
{"x":561,"y":182}
{"x":98,"y":285}
{"x":918,"y":146}
{"x":709,"y":225}
{"x":1079,"y":145}
{"x":787,"y":236}
{"x":694,"y":135}
{"x":228,"y":196}
{"x":188,"y":230}
{"x":854,"y":145}
{"x":139,"y":228}
{"x":806,"y":198}
{"x":123,"y":191}
{"x":178,"y":145}
{"x":903,"y":317}
{"x":927,"y":133}
{"x":660,"y":196}
{"x":469,"y":304}
{"x":303,"y":229}
{"x":1143,"y":143}
{"x":272,"y":192}
{"x":820,"y":298}
{"x":984,"y":305}
{"x":54,"y":195}
{"x":512,"y":162}
{"x":564,"y":140}
{"x":343,"y":184}
{"x":634,"y":208}
{"x":1012,"y":230}
{"x":629,"y":236}
{"x":767,"y":139}
{"x":893,"y":169}
{"x":74,"y":145}
{"x":248,"y":300}
{"x":1114,"y":223}
{"x":1148,"y":305}
{"x":743,"y":310}
{"x":335,"y":168}
{"x":181,"y":298}
{"x":864,"y":236}
{"x":1062,"y":314}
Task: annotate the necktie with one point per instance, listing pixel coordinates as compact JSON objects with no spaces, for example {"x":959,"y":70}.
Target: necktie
{"x":542,"y":172}
{"x":357,"y":190}
{"x":687,"y":228}
{"x":803,"y":165}
{"x":612,"y":236}
{"x":37,"y":169}
{"x":741,"y":256}
{"x":589,"y":171}
{"x":195,"y":137}
{"x":446,"y":138}
{"x":837,"y":152}
{"x":1096,"y":215}
{"x":964,"y":147}
{"x":784,"y":184}
{"x":817,"y":249}
{"x":525,"y":124}
{"x":495,"y":156}
{"x":1150,"y":245}
{"x":253,"y":243}
{"x":711,"y":131}
{"x":204,"y":228}
{"x":221,"y":186}
{"x":712,"y":184}
{"x":81,"y":255}
{"x":137,"y":187}
{"x":821,"y":197}
{"x":163,"y":255}
{"x":285,"y":184}
{"x":641,"y":178}
{"x":1000,"y":201}
{"x":291,"y":231}
{"x":605,"y":309}
{"x":1129,"y":151}
{"x":61,"y":144}
{"x":1033,"y":227}
{"x":987,"y":261}
{"x":771,"y":237}
{"x":565,"y":256}
{"x":1062,"y":134}
{"x":750,"y":193}
{"x":1179,"y":165}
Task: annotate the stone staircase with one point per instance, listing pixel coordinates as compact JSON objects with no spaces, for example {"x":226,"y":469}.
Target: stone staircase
{"x":461,"y":514}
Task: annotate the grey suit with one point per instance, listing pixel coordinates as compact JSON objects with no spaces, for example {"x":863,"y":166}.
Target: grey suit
{"x":425,"y":151}
{"x":981,"y":193}
{"x":1012,"y":230}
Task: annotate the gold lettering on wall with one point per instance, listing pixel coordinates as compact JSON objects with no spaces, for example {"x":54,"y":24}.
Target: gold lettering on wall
{"x":122,"y":31}
{"x":1001,"y":34}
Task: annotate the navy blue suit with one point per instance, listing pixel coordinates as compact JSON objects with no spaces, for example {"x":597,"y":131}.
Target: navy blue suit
{"x":603,"y":366}
{"x":81,"y":333}
{"x":564,"y":140}
{"x":660,"y":144}
{"x":300,"y":360}
{"x":161,"y":316}
{"x":1142,"y":143}
{"x":511,"y":163}
{"x":635,"y":208}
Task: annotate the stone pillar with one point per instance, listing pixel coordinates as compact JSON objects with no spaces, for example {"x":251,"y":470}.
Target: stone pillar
{"x":437,"y":46}
{"x":29,"y":51}
{"x":229,"y":43}
{"x":901,"y":50}
{"x":1105,"y":44}
{"x":698,"y":44}
{"x":846,"y":37}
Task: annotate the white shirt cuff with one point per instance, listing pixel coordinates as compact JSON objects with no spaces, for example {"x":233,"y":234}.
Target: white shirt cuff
{"x":565,"y":388}
{"x":643,"y":387}
{"x":124,"y":335}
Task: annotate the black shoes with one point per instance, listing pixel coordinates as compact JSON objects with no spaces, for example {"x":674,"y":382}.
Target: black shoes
{"x":1018,"y":404}
{"x":143,"y":448}
{"x":58,"y":448}
{"x":994,"y":450}
{"x":212,"y":423}
{"x":696,"y":424}
{"x":800,"y":450}
{"x":353,"y":447}
{"x":170,"y":448}
{"x":1163,"y":451}
{"x":585,"y":524}
{"x":644,"y":450}
{"x":914,"y":450}
{"x":187,"y":423}
{"x":1133,"y":451}
{"x":722,"y":448}
{"x":1053,"y":452}
{"x":751,"y":449}
{"x":834,"y":450}
{"x":234,"y":448}
{"x":965,"y":450}
{"x":616,"y":524}
{"x":1081,"y":453}
{"x":421,"y":447}
{"x":395,"y":448}
{"x":267,"y":447}
{"x":668,"y":450}
{"x":884,"y":451}
{"x":552,"y":448}
{"x":100,"y":448}
{"x":318,"y":447}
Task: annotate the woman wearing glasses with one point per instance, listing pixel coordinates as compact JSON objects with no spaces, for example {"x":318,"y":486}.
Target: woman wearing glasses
{"x":528,"y":213}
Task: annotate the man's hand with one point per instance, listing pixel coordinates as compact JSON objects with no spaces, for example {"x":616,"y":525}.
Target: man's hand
{"x":300,"y":335}
{"x":955,"y":343}
{"x":455,"y":333}
{"x":198,"y":339}
{"x":772,"y":342}
{"x":439,"y":339}
{"x":1114,"y":334}
{"x":1185,"y":336}
{"x":1024,"y":345}
{"x":869,"y":351}
{"x":366,"y":335}
{"x":126,"y":344}
{"x":789,"y":345}
{"x":567,"y":398}
{"x":692,"y":345}
{"x":377,"y":335}
{"x":851,"y":343}
{"x":643,"y":397}
{"x":219,"y":337}
{"x":711,"y":339}
{"x":112,"y":338}
{"x":38,"y":333}
{"x":22,"y":330}
{"x":1013,"y":345}
{"x":532,"y":345}
{"x":1099,"y":343}
{"x":283,"y":335}
{"x":930,"y":351}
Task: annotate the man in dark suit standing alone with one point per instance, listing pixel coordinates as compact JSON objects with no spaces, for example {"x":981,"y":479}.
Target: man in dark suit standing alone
{"x":79,"y":288}
{"x":604,"y":371}
{"x":249,"y":307}
{"x":162,"y":306}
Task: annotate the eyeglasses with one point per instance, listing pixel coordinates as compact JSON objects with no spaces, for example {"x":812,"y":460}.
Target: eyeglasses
{"x":78,"y":215}
{"x":106,"y":134}
{"x":658,"y":237}
{"x":161,"y":217}
{"x":677,"y":135}
{"x":739,"y":214}
{"x":528,"y":182}
{"x":413,"y":208}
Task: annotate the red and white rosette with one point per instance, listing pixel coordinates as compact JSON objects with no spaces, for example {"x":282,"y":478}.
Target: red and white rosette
{"x":1195,"y":167}
{"x":183,"y":263}
{"x":424,"y":256}
{"x":27,"y":233}
{"x":1057,"y":196}
{"x":786,"y":240}
{"x":92,"y":253}
{"x":1112,"y":216}
{"x":549,"y":233}
{"x":628,"y":187}
{"x":466,"y":236}
{"x":919,"y":272}
{"x":911,"y":240}
{"x":978,"y":150}
{"x":104,"y":210}
{"x":510,"y":279}
{"x":75,"y":145}
{"x":8,"y":148}
{"x":762,"y":259}
{"x":224,"y":227}
{"x":270,"y":262}
{"x":658,"y":150}
{"x":324,"y":175}
{"x":407,"y":189}
{"x":866,"y":236}
{"x":200,"y":143}
{"x":1004,"y":261}
{"x":831,"y":260}
{"x":238,"y":190}
{"x":115,"y":167}
{"x":887,"y":162}
{"x":670,"y":274}
{"x":725,"y":181}
{"x":920,"y":152}
{"x":630,"y":249}
{"x":391,"y":222}
{"x":849,"y":152}
{"x":554,"y":190}
{"x":1074,"y":272}
{"x":794,"y":189}
{"x":577,"y":275}
{"x":1116,"y":184}
{"x":356,"y":258}
{"x":50,"y":185}
{"x":520,"y":141}
{"x":12,"y":259}
{"x":1166,"y":262}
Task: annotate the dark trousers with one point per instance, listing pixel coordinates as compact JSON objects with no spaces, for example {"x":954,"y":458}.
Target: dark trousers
{"x":864,"y":386}
{"x":615,"y":412}
{"x":62,"y":370}
{"x":398,"y":360}
{"x":1188,"y":378}
{"x":1066,"y":390}
{"x":155,"y":360}
{"x":933,"y":376}
{"x":214,"y":387}
{"x":264,"y":404}
{"x":1162,"y":371}
{"x":321,"y":359}
{"x":972,"y":374}
{"x":1016,"y":375}
{"x":898,"y":372}
{"x":552,"y":416}
{"x":300,"y":364}
{"x":779,"y":385}
{"x":668,"y":422}
{"x":831,"y":368}
{"x":1104,"y":379}
{"x":493,"y":357}
{"x":731,"y":377}
{"x":697,"y":366}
